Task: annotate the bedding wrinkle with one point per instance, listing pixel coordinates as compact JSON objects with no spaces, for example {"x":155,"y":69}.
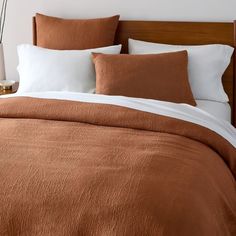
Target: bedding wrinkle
{"x":75,"y":168}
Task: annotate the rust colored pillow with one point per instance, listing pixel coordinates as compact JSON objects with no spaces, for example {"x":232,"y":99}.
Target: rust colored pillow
{"x":63,"y":34}
{"x":155,"y":76}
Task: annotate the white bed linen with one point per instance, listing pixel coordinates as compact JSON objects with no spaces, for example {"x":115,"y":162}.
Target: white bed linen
{"x":68,"y":70}
{"x":180,"y":111}
{"x":221,"y":110}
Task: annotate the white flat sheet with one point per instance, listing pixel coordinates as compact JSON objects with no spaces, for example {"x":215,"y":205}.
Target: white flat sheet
{"x":180,"y":111}
{"x":218,"y":109}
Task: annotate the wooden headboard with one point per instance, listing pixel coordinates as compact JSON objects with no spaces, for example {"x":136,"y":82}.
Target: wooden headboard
{"x":185,"y":33}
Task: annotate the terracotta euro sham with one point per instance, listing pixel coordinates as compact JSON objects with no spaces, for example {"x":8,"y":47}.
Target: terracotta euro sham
{"x":73,"y":168}
{"x":65,"y":34}
{"x":154,"y":76}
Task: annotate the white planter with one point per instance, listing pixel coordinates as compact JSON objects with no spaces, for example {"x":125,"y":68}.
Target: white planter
{"x":2,"y":64}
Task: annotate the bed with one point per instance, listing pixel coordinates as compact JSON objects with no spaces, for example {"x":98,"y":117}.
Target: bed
{"x":87,"y":164}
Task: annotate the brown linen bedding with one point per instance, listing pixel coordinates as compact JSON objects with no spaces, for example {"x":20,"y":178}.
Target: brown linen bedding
{"x":71,"y":168}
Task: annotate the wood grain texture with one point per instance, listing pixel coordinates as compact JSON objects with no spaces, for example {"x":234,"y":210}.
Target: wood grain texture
{"x":185,"y":33}
{"x":34,"y":31}
{"x":234,"y":78}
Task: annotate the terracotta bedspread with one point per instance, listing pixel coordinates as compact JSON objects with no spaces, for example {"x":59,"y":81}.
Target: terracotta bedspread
{"x":71,"y":168}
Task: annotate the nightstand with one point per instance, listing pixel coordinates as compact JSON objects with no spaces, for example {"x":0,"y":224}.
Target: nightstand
{"x":10,"y":91}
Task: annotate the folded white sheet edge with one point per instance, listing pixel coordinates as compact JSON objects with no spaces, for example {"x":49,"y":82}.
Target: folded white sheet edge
{"x":180,"y":111}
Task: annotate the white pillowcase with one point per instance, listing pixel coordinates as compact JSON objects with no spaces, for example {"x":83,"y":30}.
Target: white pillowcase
{"x":207,"y":64}
{"x":220,"y":110}
{"x":43,"y":69}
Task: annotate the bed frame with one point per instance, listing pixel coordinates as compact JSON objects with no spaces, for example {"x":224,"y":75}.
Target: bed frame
{"x":186,"y":33}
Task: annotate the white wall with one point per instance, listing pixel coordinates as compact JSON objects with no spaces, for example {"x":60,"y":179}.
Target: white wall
{"x":18,"y":23}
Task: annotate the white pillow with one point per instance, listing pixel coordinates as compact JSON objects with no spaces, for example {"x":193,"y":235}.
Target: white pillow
{"x":43,"y":69}
{"x":207,"y":64}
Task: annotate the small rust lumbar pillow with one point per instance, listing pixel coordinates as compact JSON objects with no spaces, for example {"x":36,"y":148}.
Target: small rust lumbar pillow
{"x":155,"y":76}
{"x":64,"y":34}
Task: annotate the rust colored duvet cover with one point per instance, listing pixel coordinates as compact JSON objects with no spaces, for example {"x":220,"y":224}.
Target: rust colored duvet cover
{"x":74,"y":168}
